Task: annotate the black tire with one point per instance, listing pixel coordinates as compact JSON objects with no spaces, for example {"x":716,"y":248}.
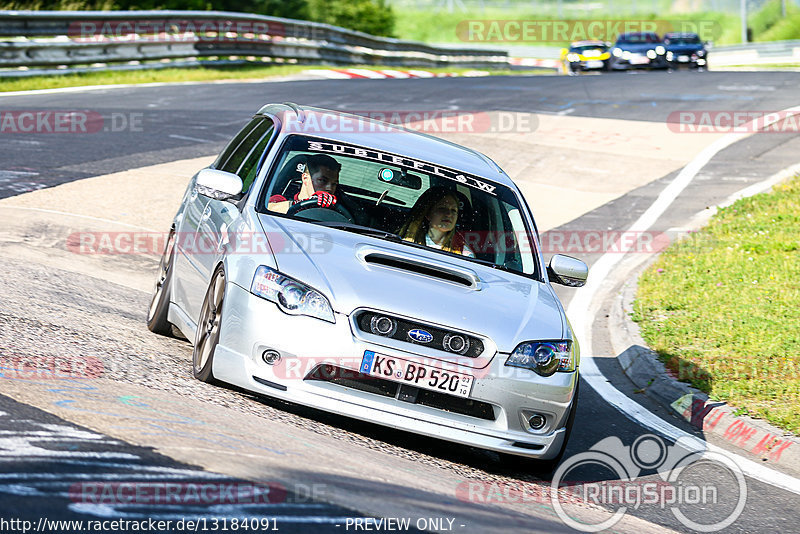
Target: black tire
{"x":159,"y":303}
{"x":208,"y":329}
{"x":545,"y":467}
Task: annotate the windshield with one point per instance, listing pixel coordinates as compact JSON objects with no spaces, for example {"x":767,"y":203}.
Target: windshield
{"x":638,"y":38}
{"x":400,"y":199}
{"x":682,"y":40}
{"x":585,"y":48}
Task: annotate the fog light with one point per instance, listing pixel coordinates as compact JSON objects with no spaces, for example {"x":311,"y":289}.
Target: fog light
{"x":537,"y":421}
{"x":382,"y":325}
{"x":271,"y":357}
{"x":455,"y":343}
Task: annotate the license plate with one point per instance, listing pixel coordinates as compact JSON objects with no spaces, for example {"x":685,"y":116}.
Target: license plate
{"x":683,"y":59}
{"x":416,"y":374}
{"x":639,"y":60}
{"x":594,"y":64}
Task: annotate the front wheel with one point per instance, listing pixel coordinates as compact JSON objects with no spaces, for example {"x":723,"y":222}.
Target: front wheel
{"x":159,"y":304}
{"x":208,"y":329}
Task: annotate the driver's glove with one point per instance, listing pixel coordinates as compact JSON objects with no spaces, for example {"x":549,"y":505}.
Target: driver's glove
{"x":324,"y":199}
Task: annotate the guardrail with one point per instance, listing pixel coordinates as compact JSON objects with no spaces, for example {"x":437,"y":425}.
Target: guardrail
{"x":71,"y":40}
{"x":754,"y":54}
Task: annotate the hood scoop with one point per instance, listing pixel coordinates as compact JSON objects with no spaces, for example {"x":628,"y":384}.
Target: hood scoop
{"x":427,"y":267}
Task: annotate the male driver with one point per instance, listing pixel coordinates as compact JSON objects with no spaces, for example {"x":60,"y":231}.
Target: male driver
{"x":320,"y":178}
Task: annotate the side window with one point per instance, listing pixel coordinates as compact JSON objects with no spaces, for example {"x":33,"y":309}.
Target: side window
{"x":252,"y":162}
{"x":241,"y":152}
{"x":235,"y":142}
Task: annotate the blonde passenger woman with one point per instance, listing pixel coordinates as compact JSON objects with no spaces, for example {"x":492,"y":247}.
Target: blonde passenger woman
{"x":433,"y":220}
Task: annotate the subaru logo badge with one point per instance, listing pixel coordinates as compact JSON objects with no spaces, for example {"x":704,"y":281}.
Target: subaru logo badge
{"x":420,"y":336}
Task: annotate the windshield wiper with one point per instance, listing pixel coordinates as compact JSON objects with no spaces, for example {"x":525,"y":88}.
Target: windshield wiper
{"x":364,"y":230}
{"x":489,"y":263}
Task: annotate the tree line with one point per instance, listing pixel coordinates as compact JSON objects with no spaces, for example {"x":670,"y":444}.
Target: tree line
{"x":370,"y":16}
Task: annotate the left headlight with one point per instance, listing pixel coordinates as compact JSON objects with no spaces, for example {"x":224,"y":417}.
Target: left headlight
{"x":543,"y":357}
{"x":660,"y":50}
{"x":291,"y":296}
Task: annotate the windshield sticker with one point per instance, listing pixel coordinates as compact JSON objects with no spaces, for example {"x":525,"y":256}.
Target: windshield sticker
{"x":383,"y":157}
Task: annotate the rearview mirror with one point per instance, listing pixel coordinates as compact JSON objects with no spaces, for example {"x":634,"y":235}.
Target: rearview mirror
{"x":400,"y":177}
{"x":219,"y":185}
{"x":567,"y":271}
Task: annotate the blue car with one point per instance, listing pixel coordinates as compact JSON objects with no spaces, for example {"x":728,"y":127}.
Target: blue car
{"x":638,"y":50}
{"x":685,"y":49}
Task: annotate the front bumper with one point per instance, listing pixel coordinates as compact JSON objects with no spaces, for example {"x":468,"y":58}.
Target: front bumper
{"x":252,"y":325}
{"x":639,"y":62}
{"x":589,"y":64}
{"x":687,"y":60}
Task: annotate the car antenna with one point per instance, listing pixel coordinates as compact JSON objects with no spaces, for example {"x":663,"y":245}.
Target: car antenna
{"x":301,"y":115}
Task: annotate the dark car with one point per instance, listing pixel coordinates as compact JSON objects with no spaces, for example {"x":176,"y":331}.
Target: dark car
{"x":685,"y":49}
{"x":586,"y":55}
{"x":638,"y":50}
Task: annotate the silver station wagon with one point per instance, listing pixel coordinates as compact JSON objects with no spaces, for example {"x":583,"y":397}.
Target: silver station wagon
{"x":376,"y":272}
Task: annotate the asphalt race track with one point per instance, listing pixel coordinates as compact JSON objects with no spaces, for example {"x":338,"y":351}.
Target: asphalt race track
{"x":141,"y":417}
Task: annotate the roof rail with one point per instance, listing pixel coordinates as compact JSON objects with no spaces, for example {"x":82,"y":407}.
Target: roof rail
{"x":301,"y":115}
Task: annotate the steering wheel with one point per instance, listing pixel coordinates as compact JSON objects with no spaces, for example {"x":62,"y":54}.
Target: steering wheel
{"x":312,"y":203}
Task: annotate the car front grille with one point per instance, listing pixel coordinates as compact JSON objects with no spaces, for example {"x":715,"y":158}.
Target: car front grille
{"x":440,"y":336}
{"x":413,"y":395}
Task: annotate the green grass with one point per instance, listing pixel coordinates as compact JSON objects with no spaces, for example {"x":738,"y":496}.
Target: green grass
{"x":721,"y":309}
{"x":769,"y":24}
{"x":192,"y":74}
{"x":785,"y":29}
{"x":198,"y":74}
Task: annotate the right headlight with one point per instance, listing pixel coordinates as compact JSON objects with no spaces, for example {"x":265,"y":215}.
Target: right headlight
{"x":291,"y":296}
{"x":543,"y":357}
{"x":617,"y":52}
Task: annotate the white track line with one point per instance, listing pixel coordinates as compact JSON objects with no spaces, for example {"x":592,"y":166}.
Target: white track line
{"x":581,"y":312}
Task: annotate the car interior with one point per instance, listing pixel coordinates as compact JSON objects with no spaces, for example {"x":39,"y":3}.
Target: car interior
{"x":381,"y":197}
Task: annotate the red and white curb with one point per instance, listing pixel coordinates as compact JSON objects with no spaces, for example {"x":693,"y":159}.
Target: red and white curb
{"x":535,"y":62}
{"x":343,"y":74}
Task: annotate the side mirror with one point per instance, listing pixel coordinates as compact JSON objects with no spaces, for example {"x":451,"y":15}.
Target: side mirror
{"x":567,"y":271}
{"x":219,"y":185}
